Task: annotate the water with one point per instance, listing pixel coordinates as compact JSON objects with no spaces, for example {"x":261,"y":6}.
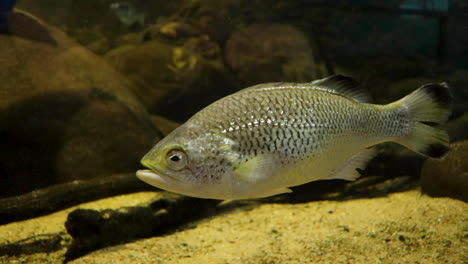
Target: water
{"x":88,"y":87}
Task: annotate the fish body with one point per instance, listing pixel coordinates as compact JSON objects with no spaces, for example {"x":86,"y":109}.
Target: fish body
{"x":263,"y":139}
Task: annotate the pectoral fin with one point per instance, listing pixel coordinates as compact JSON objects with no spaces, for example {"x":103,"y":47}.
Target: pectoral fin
{"x":347,"y":170}
{"x":252,"y":178}
{"x":253,"y":169}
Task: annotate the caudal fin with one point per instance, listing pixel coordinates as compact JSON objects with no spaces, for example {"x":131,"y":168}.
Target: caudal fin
{"x":428,"y":107}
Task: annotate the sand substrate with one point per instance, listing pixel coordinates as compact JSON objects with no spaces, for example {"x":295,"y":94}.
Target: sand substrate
{"x":403,"y":227}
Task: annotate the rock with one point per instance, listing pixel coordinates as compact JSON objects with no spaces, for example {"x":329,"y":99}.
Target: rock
{"x":93,"y":229}
{"x":146,"y":65}
{"x":203,"y":46}
{"x":99,"y":47}
{"x":98,"y":15}
{"x":458,"y":128}
{"x":171,"y":30}
{"x":447,"y":177}
{"x":65,"y":114}
{"x":56,"y":13}
{"x":458,"y":82}
{"x":209,"y":16}
{"x":164,"y":125}
{"x":270,"y":52}
{"x":86,"y":36}
{"x":128,"y":39}
{"x":168,"y":77}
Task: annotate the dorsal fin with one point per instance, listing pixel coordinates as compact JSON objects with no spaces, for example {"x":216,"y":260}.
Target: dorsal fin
{"x":336,"y":84}
{"x":344,"y":85}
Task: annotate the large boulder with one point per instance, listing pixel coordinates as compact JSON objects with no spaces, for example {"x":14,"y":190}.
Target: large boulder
{"x":270,"y":52}
{"x":175,"y":78}
{"x":65,"y":114}
{"x":458,"y":128}
{"x":87,"y":18}
{"x":458,"y":82}
{"x":146,"y":66}
{"x":447,"y":177}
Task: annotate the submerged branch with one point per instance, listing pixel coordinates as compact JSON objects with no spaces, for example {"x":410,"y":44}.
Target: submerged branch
{"x":93,"y":229}
{"x":54,"y":198}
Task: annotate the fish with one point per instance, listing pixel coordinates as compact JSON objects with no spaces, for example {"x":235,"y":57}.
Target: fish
{"x":128,"y":14}
{"x":262,"y":140}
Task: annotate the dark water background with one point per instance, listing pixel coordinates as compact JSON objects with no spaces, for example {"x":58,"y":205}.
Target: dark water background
{"x":87,"y":87}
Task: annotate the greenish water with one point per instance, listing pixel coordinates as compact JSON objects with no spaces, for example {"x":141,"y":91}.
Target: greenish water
{"x":88,"y":87}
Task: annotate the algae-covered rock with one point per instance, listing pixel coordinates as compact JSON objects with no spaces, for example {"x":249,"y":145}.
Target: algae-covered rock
{"x":100,"y":46}
{"x":65,"y":114}
{"x":98,"y":14}
{"x":458,"y":128}
{"x":163,"y":124}
{"x":146,"y":65}
{"x":184,"y":77}
{"x":447,"y":177}
{"x":171,"y":30}
{"x":270,"y":52}
{"x":128,"y":39}
{"x":209,"y":16}
{"x":85,"y":36}
{"x":458,"y":82}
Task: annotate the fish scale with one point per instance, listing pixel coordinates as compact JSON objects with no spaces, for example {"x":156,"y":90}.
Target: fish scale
{"x":261,"y":140}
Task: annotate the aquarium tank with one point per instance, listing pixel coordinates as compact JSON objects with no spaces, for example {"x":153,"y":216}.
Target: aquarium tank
{"x":234,"y":131}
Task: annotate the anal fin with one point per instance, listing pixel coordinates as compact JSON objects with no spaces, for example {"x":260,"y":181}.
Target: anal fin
{"x":274,"y":192}
{"x":347,"y":170}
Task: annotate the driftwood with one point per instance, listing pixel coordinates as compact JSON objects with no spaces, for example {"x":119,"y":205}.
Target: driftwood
{"x":93,"y":229}
{"x":43,"y":243}
{"x":60,"y":196}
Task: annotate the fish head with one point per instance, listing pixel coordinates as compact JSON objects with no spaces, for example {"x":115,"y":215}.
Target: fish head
{"x":191,"y":163}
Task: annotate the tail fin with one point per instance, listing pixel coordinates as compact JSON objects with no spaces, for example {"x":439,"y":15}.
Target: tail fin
{"x":428,"y":107}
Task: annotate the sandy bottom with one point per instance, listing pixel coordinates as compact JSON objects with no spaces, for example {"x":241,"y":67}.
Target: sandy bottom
{"x":401,"y":228}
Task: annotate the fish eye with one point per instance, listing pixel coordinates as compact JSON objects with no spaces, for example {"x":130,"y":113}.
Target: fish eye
{"x":176,"y":159}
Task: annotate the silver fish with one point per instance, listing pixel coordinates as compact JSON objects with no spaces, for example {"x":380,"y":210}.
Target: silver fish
{"x":263,"y":139}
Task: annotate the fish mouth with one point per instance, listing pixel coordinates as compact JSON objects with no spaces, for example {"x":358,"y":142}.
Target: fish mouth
{"x":149,"y":176}
{"x":154,"y":171}
{"x":154,"y":177}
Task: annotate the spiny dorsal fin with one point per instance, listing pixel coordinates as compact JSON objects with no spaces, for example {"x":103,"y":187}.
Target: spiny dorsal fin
{"x":336,"y":84}
{"x":344,"y":85}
